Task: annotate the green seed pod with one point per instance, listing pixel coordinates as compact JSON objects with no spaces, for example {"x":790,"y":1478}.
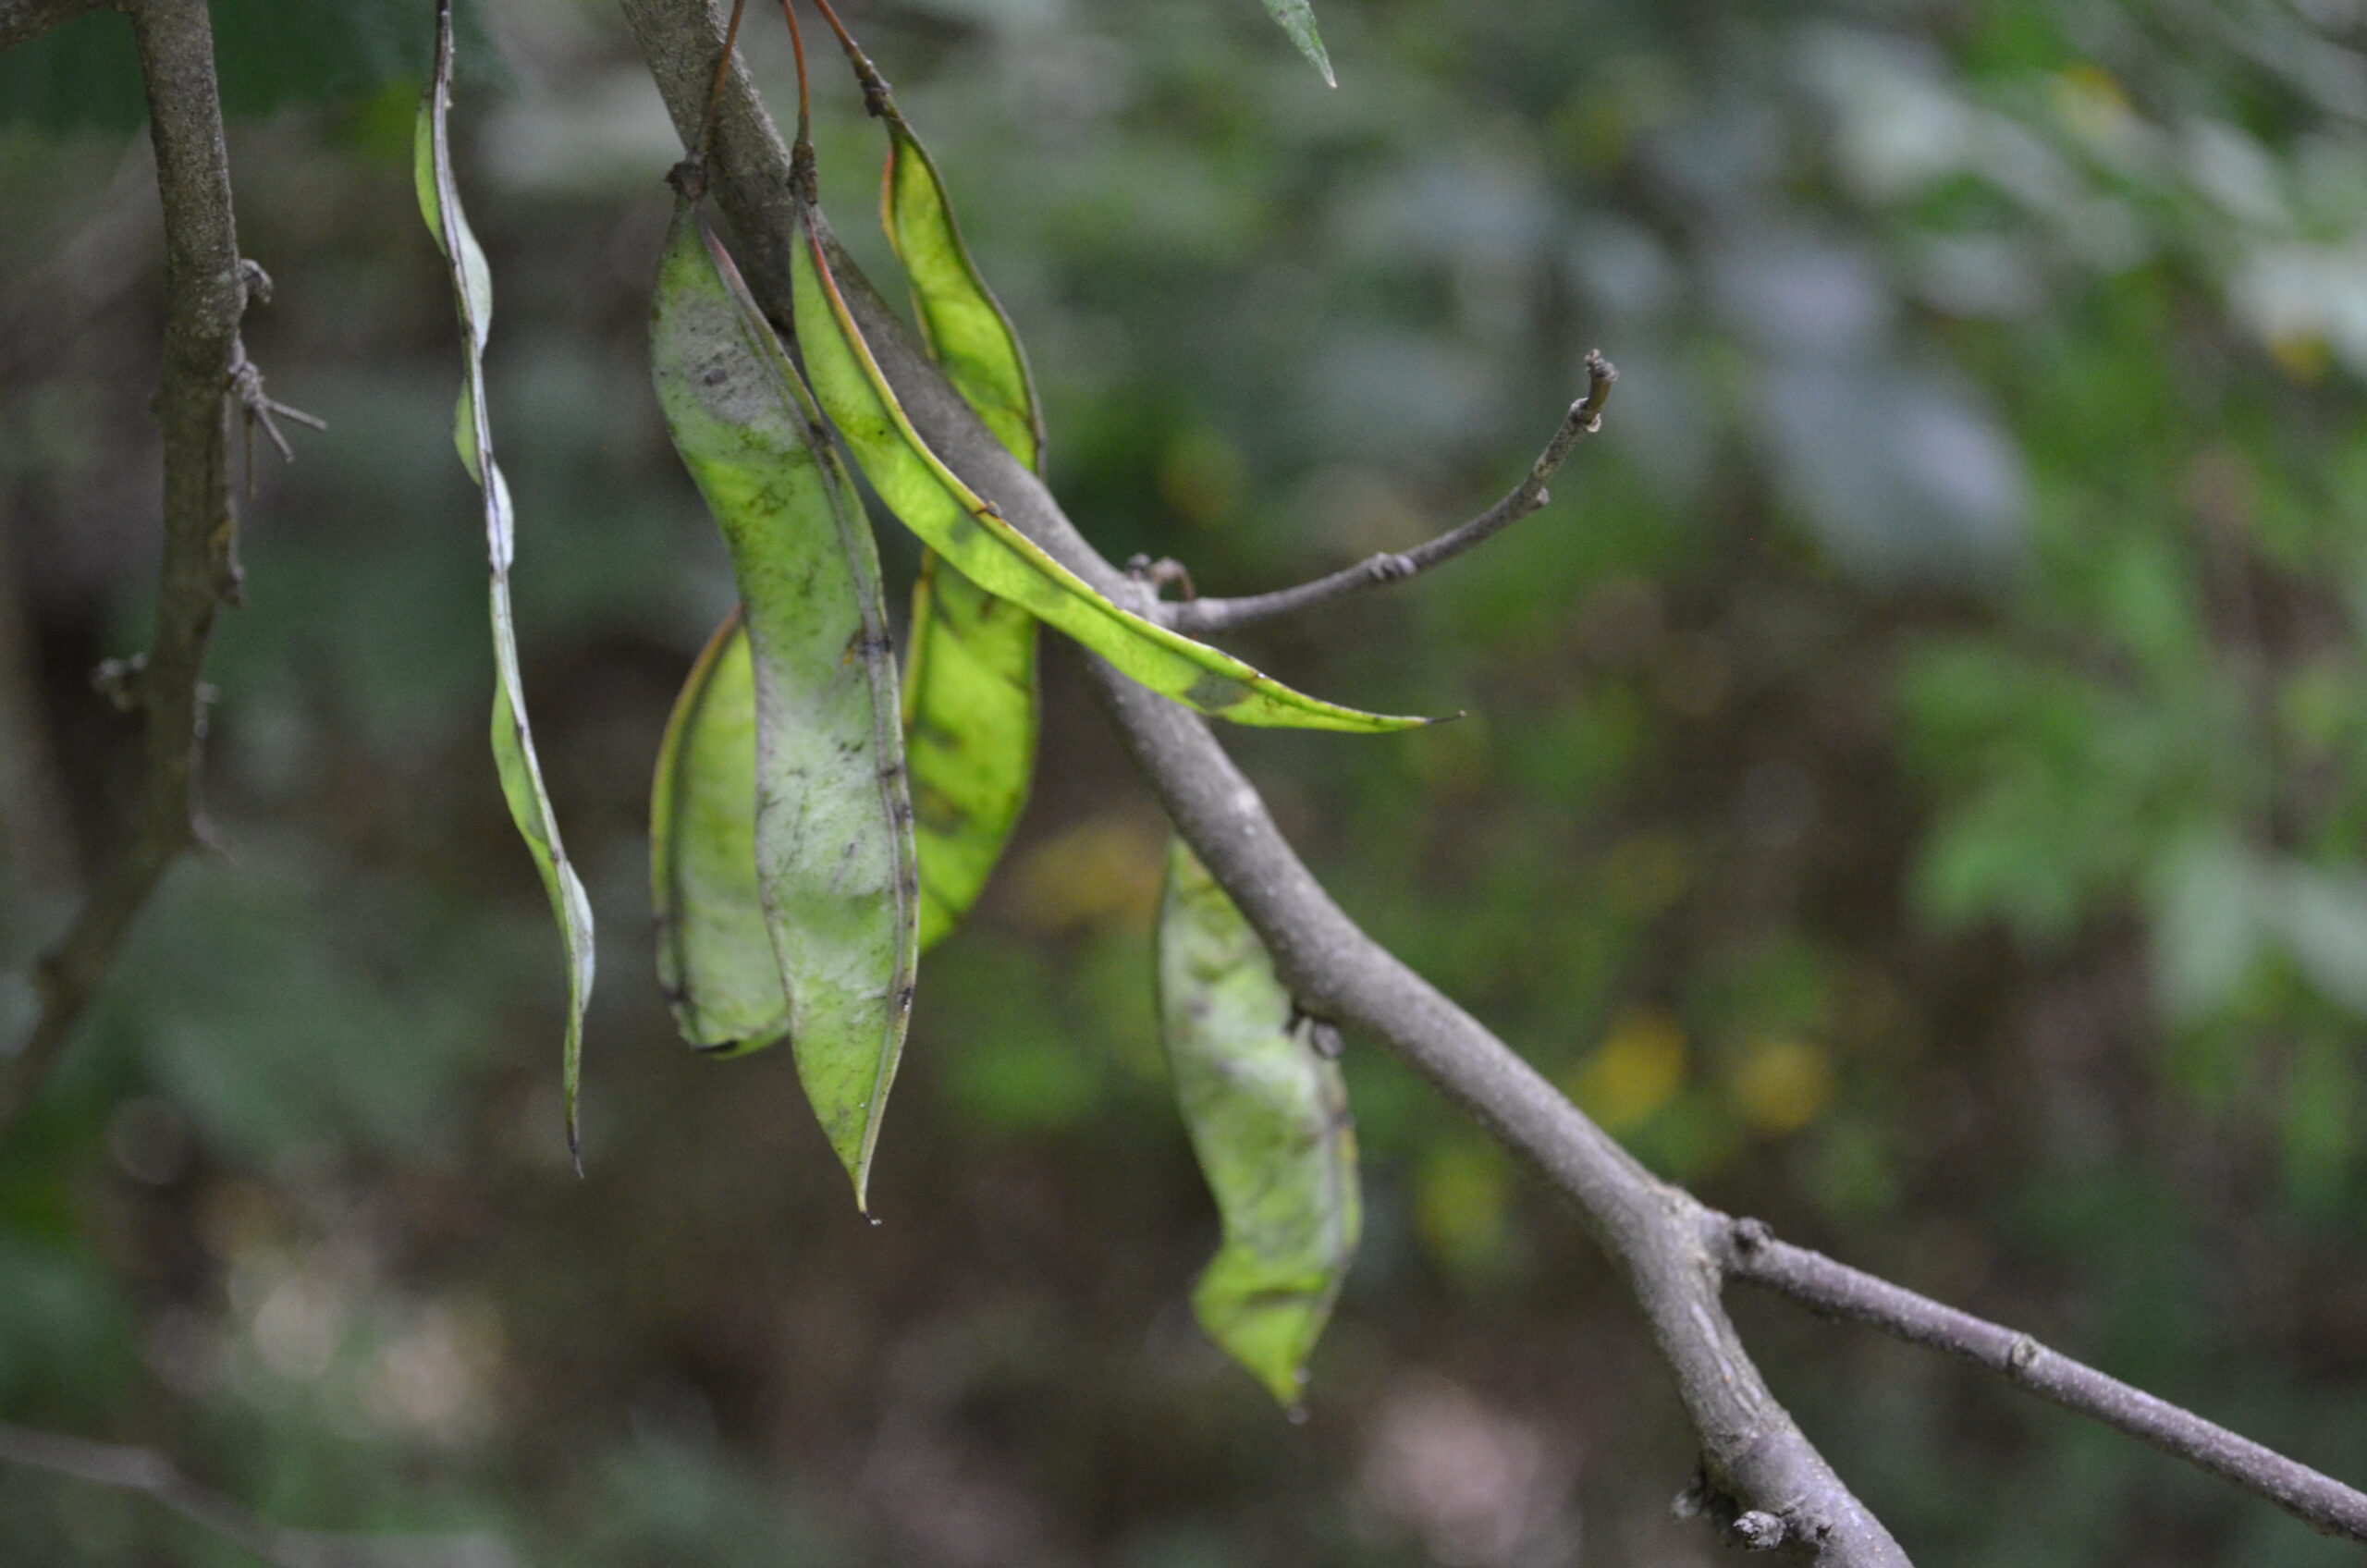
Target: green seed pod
{"x":714,"y":951}
{"x":834,"y":855}
{"x":969,"y":736}
{"x":970,"y":663}
{"x":1267,"y":1115}
{"x":961,"y":321}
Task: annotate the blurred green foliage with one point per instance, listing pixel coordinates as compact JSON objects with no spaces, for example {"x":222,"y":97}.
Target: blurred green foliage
{"x":271,"y":55}
{"x":1914,"y":789}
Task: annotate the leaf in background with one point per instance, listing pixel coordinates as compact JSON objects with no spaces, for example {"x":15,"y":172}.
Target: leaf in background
{"x":970,"y":672}
{"x":270,"y":55}
{"x":1269,"y":1119}
{"x":1297,"y":17}
{"x":983,"y":546}
{"x":715,"y":954}
{"x":513,"y":742}
{"x":834,"y":856}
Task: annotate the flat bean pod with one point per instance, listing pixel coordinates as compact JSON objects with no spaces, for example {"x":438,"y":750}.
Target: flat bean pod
{"x":963,"y":324}
{"x":1267,"y":1116}
{"x":970,"y":660}
{"x":969,"y":736}
{"x":715,"y":949}
{"x":834,"y":855}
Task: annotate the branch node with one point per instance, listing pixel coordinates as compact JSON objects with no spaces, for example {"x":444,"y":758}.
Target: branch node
{"x":804,"y":186}
{"x":1693,"y":1501}
{"x":688,"y":179}
{"x":1758,"y":1530}
{"x":256,"y":281}
{"x":1161,"y":573}
{"x":120,"y":680}
{"x":1752,"y":1235}
{"x":2022,"y":1354}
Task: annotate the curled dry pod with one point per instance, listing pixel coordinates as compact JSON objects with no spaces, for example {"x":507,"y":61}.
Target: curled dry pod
{"x":513,"y":741}
{"x":979,"y":542}
{"x":970,"y":664}
{"x":714,"y":951}
{"x":834,"y":855}
{"x":1269,"y":1119}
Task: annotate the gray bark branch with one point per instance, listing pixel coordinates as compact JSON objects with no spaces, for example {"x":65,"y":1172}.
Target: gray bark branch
{"x":1837,"y":1290}
{"x":205,"y":294}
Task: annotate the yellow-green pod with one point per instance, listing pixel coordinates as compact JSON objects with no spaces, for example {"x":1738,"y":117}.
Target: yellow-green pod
{"x":715,"y":952}
{"x":970,"y":661}
{"x":969,"y":736}
{"x":1267,"y":1115}
{"x":963,"y":324}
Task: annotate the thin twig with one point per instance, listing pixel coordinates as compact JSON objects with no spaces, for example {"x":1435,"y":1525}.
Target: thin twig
{"x":1752,"y":1253}
{"x":21,"y":21}
{"x":206,"y":290}
{"x":801,"y":151}
{"x":257,"y":405}
{"x":877,"y":100}
{"x":152,"y":1476}
{"x":1197,"y":616}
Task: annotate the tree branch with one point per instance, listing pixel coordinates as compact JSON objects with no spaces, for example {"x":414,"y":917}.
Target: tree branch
{"x":1200,"y":617}
{"x":152,"y":1476}
{"x":1751,"y":1449}
{"x":1751,"y":1252}
{"x":205,"y":294}
{"x":21,"y":21}
{"x":1769,"y":1483}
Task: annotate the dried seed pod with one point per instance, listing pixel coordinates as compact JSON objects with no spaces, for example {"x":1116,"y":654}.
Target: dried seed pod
{"x":513,"y":740}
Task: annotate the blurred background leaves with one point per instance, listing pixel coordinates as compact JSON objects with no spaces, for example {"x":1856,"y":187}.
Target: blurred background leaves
{"x":1916,"y":786}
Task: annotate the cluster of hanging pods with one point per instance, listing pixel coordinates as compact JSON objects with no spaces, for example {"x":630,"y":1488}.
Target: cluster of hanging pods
{"x":817,"y":823}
